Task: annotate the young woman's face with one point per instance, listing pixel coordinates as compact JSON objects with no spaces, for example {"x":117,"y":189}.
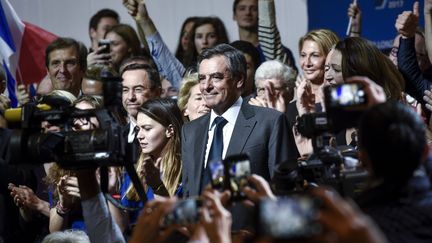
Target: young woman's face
{"x":119,"y":48}
{"x":152,"y":136}
{"x":333,"y":68}
{"x":205,"y":37}
{"x":196,"y":105}
{"x":186,"y":35}
{"x":85,"y":123}
{"x":312,"y":62}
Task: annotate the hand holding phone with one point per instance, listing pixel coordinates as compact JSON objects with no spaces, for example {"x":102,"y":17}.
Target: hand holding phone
{"x":106,"y":44}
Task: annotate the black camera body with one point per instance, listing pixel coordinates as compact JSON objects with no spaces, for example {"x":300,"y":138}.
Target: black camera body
{"x":104,"y":146}
{"x":328,"y":165}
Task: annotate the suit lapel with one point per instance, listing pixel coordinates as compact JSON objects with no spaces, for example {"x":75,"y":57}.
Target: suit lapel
{"x":199,"y":148}
{"x":242,"y":129}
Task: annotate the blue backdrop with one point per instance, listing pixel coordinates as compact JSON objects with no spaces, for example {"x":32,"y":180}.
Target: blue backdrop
{"x":378,"y":17}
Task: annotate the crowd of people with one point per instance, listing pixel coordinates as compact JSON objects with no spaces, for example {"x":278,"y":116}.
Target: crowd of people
{"x":211,"y":133}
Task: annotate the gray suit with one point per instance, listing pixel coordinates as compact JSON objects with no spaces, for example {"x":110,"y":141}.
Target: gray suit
{"x":262,"y":133}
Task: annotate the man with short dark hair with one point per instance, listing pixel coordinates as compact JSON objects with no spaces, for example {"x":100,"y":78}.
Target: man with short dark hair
{"x":259,"y":132}
{"x":103,"y":20}
{"x":232,"y":127}
{"x":66,"y":62}
{"x":392,"y":139}
{"x":259,"y":28}
{"x":140,"y":83}
{"x":99,"y":23}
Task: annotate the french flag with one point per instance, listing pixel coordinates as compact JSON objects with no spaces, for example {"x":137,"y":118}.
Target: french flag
{"x":22,"y":50}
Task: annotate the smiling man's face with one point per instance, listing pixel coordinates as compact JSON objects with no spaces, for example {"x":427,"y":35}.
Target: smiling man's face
{"x":65,"y":70}
{"x":217,"y":86}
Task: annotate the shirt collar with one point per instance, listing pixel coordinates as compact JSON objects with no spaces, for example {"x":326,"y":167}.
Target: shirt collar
{"x":230,"y":115}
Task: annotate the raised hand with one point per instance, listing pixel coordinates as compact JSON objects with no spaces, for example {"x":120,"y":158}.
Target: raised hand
{"x":374,"y":93}
{"x":27,"y":201}
{"x":343,"y":221}
{"x":355,"y":13}
{"x":427,"y":6}
{"x":68,"y":191}
{"x":149,"y":226}
{"x":22,"y":94}
{"x":99,"y":57}
{"x":4,"y":102}
{"x":215,"y":219}
{"x":407,"y":22}
{"x":305,"y":98}
{"x":260,"y":191}
{"x":136,"y":8}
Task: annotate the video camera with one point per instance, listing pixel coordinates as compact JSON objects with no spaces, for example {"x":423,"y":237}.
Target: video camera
{"x":103,"y":146}
{"x":335,"y":166}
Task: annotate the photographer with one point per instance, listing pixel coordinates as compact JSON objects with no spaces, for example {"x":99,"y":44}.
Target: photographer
{"x":32,"y":195}
{"x":393,"y":148}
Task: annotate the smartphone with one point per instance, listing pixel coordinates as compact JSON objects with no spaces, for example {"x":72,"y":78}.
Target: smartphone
{"x":238,"y":170}
{"x":184,"y":212}
{"x":345,"y":95}
{"x":293,"y":217}
{"x":107,"y":44}
{"x":217,"y":175}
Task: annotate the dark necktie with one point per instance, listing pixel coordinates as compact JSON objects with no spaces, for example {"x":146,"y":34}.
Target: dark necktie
{"x":216,"y":149}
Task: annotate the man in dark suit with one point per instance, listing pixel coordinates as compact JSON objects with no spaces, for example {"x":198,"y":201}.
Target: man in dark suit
{"x":259,"y":132}
{"x":140,"y":83}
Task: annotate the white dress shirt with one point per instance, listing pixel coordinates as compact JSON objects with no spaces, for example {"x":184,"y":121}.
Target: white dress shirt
{"x":132,"y":134}
{"x":231,"y":116}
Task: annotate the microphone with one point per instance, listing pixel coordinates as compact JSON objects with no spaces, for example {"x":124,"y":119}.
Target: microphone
{"x":14,"y":114}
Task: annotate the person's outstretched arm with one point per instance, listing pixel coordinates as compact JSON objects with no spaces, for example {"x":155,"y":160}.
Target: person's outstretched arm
{"x":167,"y":63}
{"x":100,"y":225}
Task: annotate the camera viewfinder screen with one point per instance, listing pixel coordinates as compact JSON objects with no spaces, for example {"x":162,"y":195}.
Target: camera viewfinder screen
{"x":347,"y":95}
{"x":217,"y":174}
{"x":239,"y":171}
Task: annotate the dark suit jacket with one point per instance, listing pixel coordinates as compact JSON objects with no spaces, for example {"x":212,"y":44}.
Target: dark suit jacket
{"x":262,"y":133}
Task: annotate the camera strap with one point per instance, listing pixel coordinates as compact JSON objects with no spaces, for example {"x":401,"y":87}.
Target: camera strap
{"x":130,"y":168}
